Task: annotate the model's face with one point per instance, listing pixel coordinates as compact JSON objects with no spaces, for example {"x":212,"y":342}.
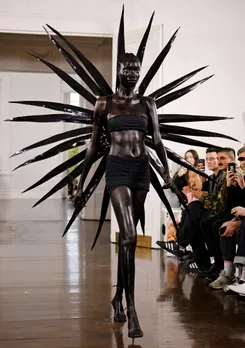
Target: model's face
{"x":223,"y":160}
{"x":129,"y":73}
{"x":189,"y":158}
{"x":241,"y":159}
{"x":212,"y":160}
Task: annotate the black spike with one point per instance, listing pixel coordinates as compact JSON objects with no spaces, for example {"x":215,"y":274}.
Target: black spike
{"x":106,"y":89}
{"x":59,"y":169}
{"x":57,"y":149}
{"x":69,"y":134}
{"x":157,"y":165}
{"x":165,"y":89}
{"x":156,"y":65}
{"x":75,"y":214}
{"x":50,"y":118}
{"x":142,"y":46}
{"x":89,"y":190}
{"x":184,"y":140}
{"x":193,"y":132}
{"x":72,"y":109}
{"x":76,"y":67}
{"x":77,"y":87}
{"x":157,"y":186}
{"x":120,"y":42}
{"x":103,"y":212}
{"x":173,"y":118}
{"x":179,"y":93}
{"x":70,"y":177}
{"x":179,"y":160}
{"x":182,"y":162}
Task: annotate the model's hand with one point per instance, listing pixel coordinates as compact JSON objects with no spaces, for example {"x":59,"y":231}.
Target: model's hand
{"x":238,"y":211}
{"x":167,"y":180}
{"x":78,"y":198}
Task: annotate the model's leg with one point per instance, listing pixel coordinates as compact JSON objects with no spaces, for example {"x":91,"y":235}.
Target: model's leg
{"x":116,"y":302}
{"x":139,"y":197}
{"x":122,"y":201}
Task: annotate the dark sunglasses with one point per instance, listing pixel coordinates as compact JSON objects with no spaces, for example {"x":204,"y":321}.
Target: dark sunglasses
{"x":241,"y":159}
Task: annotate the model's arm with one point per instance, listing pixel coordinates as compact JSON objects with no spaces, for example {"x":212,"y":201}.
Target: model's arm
{"x":99,"y":114}
{"x":157,"y":141}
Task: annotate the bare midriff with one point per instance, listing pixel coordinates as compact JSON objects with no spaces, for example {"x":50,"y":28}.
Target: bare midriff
{"x":128,"y":143}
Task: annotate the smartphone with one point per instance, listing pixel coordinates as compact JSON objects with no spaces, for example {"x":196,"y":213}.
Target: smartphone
{"x":201,"y":164}
{"x":232,"y":167}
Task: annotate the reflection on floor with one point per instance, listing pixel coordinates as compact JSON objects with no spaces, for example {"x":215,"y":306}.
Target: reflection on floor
{"x":55,"y":292}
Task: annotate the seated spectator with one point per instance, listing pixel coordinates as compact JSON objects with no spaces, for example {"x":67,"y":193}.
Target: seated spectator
{"x":193,"y":181}
{"x":227,"y":230}
{"x":179,"y":178}
{"x":189,"y":227}
{"x":217,"y":210}
{"x":239,"y":261}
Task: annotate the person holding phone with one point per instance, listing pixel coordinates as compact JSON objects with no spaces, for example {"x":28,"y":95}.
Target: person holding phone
{"x":215,"y":209}
{"x":232,"y":232}
{"x":180,"y":178}
{"x":235,"y":175}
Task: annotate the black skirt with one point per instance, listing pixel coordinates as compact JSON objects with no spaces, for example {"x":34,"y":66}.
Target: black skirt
{"x":131,"y":172}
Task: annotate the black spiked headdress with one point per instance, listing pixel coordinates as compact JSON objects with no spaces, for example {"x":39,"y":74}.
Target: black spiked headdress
{"x":98,"y":86}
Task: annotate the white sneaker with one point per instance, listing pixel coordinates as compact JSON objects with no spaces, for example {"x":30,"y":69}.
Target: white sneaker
{"x":239,"y":289}
{"x":221,"y":282}
{"x":228,"y":289}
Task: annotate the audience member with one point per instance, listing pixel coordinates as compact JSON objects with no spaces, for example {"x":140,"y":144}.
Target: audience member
{"x":179,"y":178}
{"x":216,"y":212}
{"x":227,"y":230}
{"x":189,"y":227}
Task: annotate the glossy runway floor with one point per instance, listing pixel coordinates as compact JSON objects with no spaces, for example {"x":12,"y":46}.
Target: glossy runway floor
{"x":55,"y":292}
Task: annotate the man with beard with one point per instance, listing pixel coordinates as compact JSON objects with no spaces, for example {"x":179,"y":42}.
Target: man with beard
{"x":232,"y":232}
{"x":216,"y":210}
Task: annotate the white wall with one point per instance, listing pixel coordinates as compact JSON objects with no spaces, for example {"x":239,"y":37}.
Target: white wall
{"x":73,"y":17}
{"x":15,"y":136}
{"x":212,"y":33}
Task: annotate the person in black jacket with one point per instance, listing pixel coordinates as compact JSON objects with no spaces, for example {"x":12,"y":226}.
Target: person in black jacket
{"x":189,"y":227}
{"x":179,"y":178}
{"x":232,"y":231}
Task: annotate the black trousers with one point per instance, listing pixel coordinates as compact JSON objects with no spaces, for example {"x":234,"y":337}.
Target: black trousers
{"x":228,"y":246}
{"x":240,"y":236}
{"x":189,"y":233}
{"x":209,"y":226}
